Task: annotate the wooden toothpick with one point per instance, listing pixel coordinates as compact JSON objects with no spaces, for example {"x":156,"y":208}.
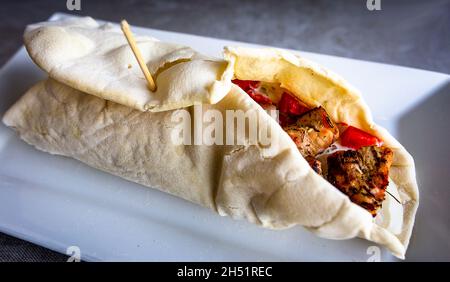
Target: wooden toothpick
{"x":127,"y":32}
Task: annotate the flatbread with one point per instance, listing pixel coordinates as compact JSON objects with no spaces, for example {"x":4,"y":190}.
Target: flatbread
{"x":272,"y":186}
{"x":92,"y":110}
{"x":97,"y":59}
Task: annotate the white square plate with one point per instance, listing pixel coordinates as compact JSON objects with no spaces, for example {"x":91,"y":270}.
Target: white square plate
{"x":58,"y":202}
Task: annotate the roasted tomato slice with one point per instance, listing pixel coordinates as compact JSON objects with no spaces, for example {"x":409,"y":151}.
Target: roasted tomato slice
{"x":356,"y":138}
{"x":290,"y":105}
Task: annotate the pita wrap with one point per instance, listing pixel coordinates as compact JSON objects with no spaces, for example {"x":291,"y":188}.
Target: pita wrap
{"x":272,"y":186}
{"x":318,"y":86}
{"x":97,"y":59}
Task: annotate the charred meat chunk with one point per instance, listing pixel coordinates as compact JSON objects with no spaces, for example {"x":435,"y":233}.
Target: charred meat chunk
{"x":315,"y":164}
{"x":362,"y":175}
{"x":313,"y":132}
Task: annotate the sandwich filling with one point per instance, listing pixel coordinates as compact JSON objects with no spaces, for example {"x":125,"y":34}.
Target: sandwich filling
{"x":352,"y":160}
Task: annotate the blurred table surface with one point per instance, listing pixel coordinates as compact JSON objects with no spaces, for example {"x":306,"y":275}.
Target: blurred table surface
{"x":413,"y":33}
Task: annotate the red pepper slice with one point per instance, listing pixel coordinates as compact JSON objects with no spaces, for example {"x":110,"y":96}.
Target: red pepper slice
{"x":342,"y":126}
{"x":259,"y":98}
{"x":292,"y":106}
{"x":246,"y":85}
{"x":249,"y":86}
{"x":288,"y":106}
{"x":355,"y":138}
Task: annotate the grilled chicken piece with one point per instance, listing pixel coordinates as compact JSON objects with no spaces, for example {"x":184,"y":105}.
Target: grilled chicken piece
{"x":315,"y":164}
{"x":362,"y":175}
{"x":313,"y":132}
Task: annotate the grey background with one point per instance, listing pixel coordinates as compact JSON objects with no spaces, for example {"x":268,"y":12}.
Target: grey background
{"x":413,"y":33}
